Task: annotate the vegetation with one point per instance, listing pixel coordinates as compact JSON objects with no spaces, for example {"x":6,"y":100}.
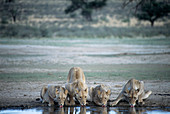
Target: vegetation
{"x":121,"y":72}
{"x":21,"y":31}
{"x":152,"y":10}
{"x":86,"y":7}
{"x":139,"y":3}
{"x":10,"y":9}
{"x":48,"y":19}
{"x":18,"y":66}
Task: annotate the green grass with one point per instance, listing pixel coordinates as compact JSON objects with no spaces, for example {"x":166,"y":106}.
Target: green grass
{"x":107,"y":72}
{"x":33,"y":76}
{"x":125,"y":72}
{"x":98,"y":72}
{"x":26,"y":31}
{"x":66,"y":41}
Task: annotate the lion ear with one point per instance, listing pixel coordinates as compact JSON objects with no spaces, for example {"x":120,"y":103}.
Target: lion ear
{"x":98,"y":92}
{"x":85,"y":90}
{"x":56,"y":91}
{"x":108,"y":92}
{"x":66,"y":91}
{"x":57,"y":88}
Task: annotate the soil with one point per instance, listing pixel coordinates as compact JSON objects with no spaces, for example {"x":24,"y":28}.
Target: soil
{"x":36,"y":58}
{"x":27,"y":94}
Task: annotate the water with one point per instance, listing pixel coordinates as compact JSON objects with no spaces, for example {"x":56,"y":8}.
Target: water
{"x":88,"y":110}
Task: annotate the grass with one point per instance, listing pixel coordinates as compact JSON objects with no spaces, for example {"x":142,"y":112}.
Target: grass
{"x":125,"y":72}
{"x":66,"y":41}
{"x":98,"y":72}
{"x":26,"y":31}
{"x":106,"y":72}
{"x":32,"y":76}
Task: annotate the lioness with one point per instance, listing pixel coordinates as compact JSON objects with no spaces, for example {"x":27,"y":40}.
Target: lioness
{"x":76,"y":86}
{"x":132,"y":91}
{"x":53,"y":93}
{"x":100,"y":95}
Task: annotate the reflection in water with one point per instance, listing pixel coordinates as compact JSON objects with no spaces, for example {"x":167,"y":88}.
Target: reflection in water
{"x":86,"y":110}
{"x":64,"y":110}
{"x":75,"y":110}
{"x":99,"y":110}
{"x":129,"y":110}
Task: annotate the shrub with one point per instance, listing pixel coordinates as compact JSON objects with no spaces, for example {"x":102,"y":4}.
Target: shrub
{"x":21,"y":31}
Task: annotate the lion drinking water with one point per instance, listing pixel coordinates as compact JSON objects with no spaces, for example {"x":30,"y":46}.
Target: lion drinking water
{"x":100,"y":95}
{"x":133,"y":91}
{"x":76,"y":85}
{"x":53,"y":93}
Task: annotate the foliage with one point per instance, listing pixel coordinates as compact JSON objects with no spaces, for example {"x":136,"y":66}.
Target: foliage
{"x":86,"y":7}
{"x":10,"y":10}
{"x":20,"y":31}
{"x":46,"y":18}
{"x":153,"y":10}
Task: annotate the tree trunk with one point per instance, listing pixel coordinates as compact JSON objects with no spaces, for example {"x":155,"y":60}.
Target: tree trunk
{"x":152,"y":23}
{"x":14,"y":18}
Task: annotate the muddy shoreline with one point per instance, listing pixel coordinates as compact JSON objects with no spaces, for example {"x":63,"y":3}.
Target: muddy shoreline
{"x":26,"y":94}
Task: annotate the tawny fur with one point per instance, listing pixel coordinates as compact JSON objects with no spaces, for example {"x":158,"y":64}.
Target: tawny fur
{"x":131,"y":92}
{"x":100,"y":94}
{"x":76,"y":85}
{"x":52,"y":93}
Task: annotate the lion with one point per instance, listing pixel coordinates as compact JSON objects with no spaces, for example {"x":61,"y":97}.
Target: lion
{"x":53,"y":93}
{"x":76,"y":86}
{"x":100,"y":95}
{"x":131,"y":92}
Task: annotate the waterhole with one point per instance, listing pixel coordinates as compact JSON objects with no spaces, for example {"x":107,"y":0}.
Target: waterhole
{"x":88,"y":110}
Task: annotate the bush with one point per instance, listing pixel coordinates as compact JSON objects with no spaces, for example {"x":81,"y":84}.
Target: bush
{"x":21,"y":31}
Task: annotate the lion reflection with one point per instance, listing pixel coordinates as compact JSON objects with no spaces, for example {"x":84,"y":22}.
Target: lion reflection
{"x":65,"y":110}
{"x":93,"y":110}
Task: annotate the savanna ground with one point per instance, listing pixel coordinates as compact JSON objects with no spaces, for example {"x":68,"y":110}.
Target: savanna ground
{"x":26,"y":65}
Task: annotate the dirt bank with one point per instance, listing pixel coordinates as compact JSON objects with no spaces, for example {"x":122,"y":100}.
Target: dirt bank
{"x":26,"y":94}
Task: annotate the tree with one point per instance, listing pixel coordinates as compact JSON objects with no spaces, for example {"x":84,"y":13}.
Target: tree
{"x":152,"y":10}
{"x":85,"y":6}
{"x":138,"y":3}
{"x":10,"y":9}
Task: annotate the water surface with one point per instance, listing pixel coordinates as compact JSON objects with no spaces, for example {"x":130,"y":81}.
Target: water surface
{"x":88,"y":110}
